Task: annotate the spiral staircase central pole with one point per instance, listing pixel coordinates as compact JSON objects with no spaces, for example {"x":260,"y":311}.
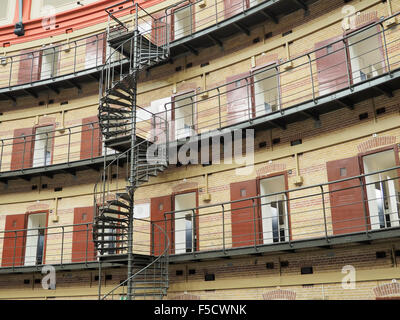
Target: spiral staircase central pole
{"x":134,"y":70}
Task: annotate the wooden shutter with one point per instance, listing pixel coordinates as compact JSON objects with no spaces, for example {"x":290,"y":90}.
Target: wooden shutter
{"x":233,"y":7}
{"x":347,"y":210}
{"x":29,"y":66}
{"x":22,"y":150}
{"x":332,"y":66}
{"x":159,"y":206}
{"x":82,"y":240}
{"x":14,"y":242}
{"x":91,"y":139}
{"x":238,"y":94}
{"x":95,"y":51}
{"x":245,"y":216}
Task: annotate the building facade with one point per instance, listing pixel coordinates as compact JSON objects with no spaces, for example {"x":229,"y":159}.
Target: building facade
{"x":278,"y":127}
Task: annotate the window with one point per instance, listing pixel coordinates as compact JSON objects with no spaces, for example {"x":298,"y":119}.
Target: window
{"x":182,"y":22}
{"x":383,"y":191}
{"x":43,"y":146}
{"x":184,"y":110}
{"x":366,"y":59}
{"x":274,"y":213}
{"x":49,"y":66}
{"x":35,"y":239}
{"x":266,"y":94}
{"x":184,"y":223}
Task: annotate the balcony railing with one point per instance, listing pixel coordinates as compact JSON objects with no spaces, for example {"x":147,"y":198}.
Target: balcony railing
{"x":308,"y":213}
{"x":63,"y":145}
{"x":61,"y":245}
{"x":362,"y":56}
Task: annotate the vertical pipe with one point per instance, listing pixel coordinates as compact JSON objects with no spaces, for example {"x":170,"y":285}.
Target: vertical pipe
{"x":2,"y":151}
{"x":69,"y":144}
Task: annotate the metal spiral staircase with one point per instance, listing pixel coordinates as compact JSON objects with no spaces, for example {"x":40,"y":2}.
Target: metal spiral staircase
{"x":133,"y":46}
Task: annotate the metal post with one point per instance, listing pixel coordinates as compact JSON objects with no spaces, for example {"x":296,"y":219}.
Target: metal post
{"x":364,"y":205}
{"x":23,"y":155}
{"x":45,"y":149}
{"x":219,"y":109}
{"x":133,"y":162}
{"x":254,"y":223}
{"x":2,"y":150}
{"x":347,"y":65}
{"x":75,"y":57}
{"x":15,"y":248}
{"x":69,"y":144}
{"x":11,"y":67}
{"x":223,"y":228}
{"x":324,"y":212}
{"x":312,"y":78}
{"x":87,"y":242}
{"x":386,"y":50}
{"x":62,"y":245}
{"x":91,"y":147}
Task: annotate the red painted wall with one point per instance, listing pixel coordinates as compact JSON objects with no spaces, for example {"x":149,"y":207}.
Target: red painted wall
{"x":76,"y":19}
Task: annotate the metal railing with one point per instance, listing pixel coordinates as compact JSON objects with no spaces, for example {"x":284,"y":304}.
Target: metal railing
{"x":154,"y":275}
{"x":306,"y":213}
{"x":67,"y":144}
{"x":63,"y":245}
{"x":322,"y":211}
{"x":53,"y":62}
{"x":359,"y":57}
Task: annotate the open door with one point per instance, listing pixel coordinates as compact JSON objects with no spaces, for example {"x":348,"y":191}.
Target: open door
{"x":233,"y":7}
{"x":14,"y":241}
{"x":245,"y":220}
{"x":82,"y":240}
{"x":238,"y":96}
{"x":346,"y":201}
{"x":332,"y":65}
{"x":22,"y":150}
{"x":159,"y":206}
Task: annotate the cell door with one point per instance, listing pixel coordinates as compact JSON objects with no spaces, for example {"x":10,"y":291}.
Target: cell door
{"x":332,"y":65}
{"x":234,"y":7}
{"x":161,"y":228}
{"x":246,"y":229}
{"x":346,"y":200}
{"x":238,"y":96}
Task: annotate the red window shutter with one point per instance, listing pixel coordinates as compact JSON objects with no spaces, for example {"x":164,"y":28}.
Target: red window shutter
{"x":29,"y":66}
{"x":233,"y":7}
{"x":347,"y":211}
{"x":238,"y":95}
{"x":82,"y":240}
{"x":95,"y":51}
{"x":22,"y":151}
{"x":332,"y":67}
{"x":159,"y":206}
{"x":91,"y":139}
{"x":14,"y":242}
{"x":244,"y":227}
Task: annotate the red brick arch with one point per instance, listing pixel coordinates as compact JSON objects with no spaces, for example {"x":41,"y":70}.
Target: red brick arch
{"x":280,"y":294}
{"x":387,"y":290}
